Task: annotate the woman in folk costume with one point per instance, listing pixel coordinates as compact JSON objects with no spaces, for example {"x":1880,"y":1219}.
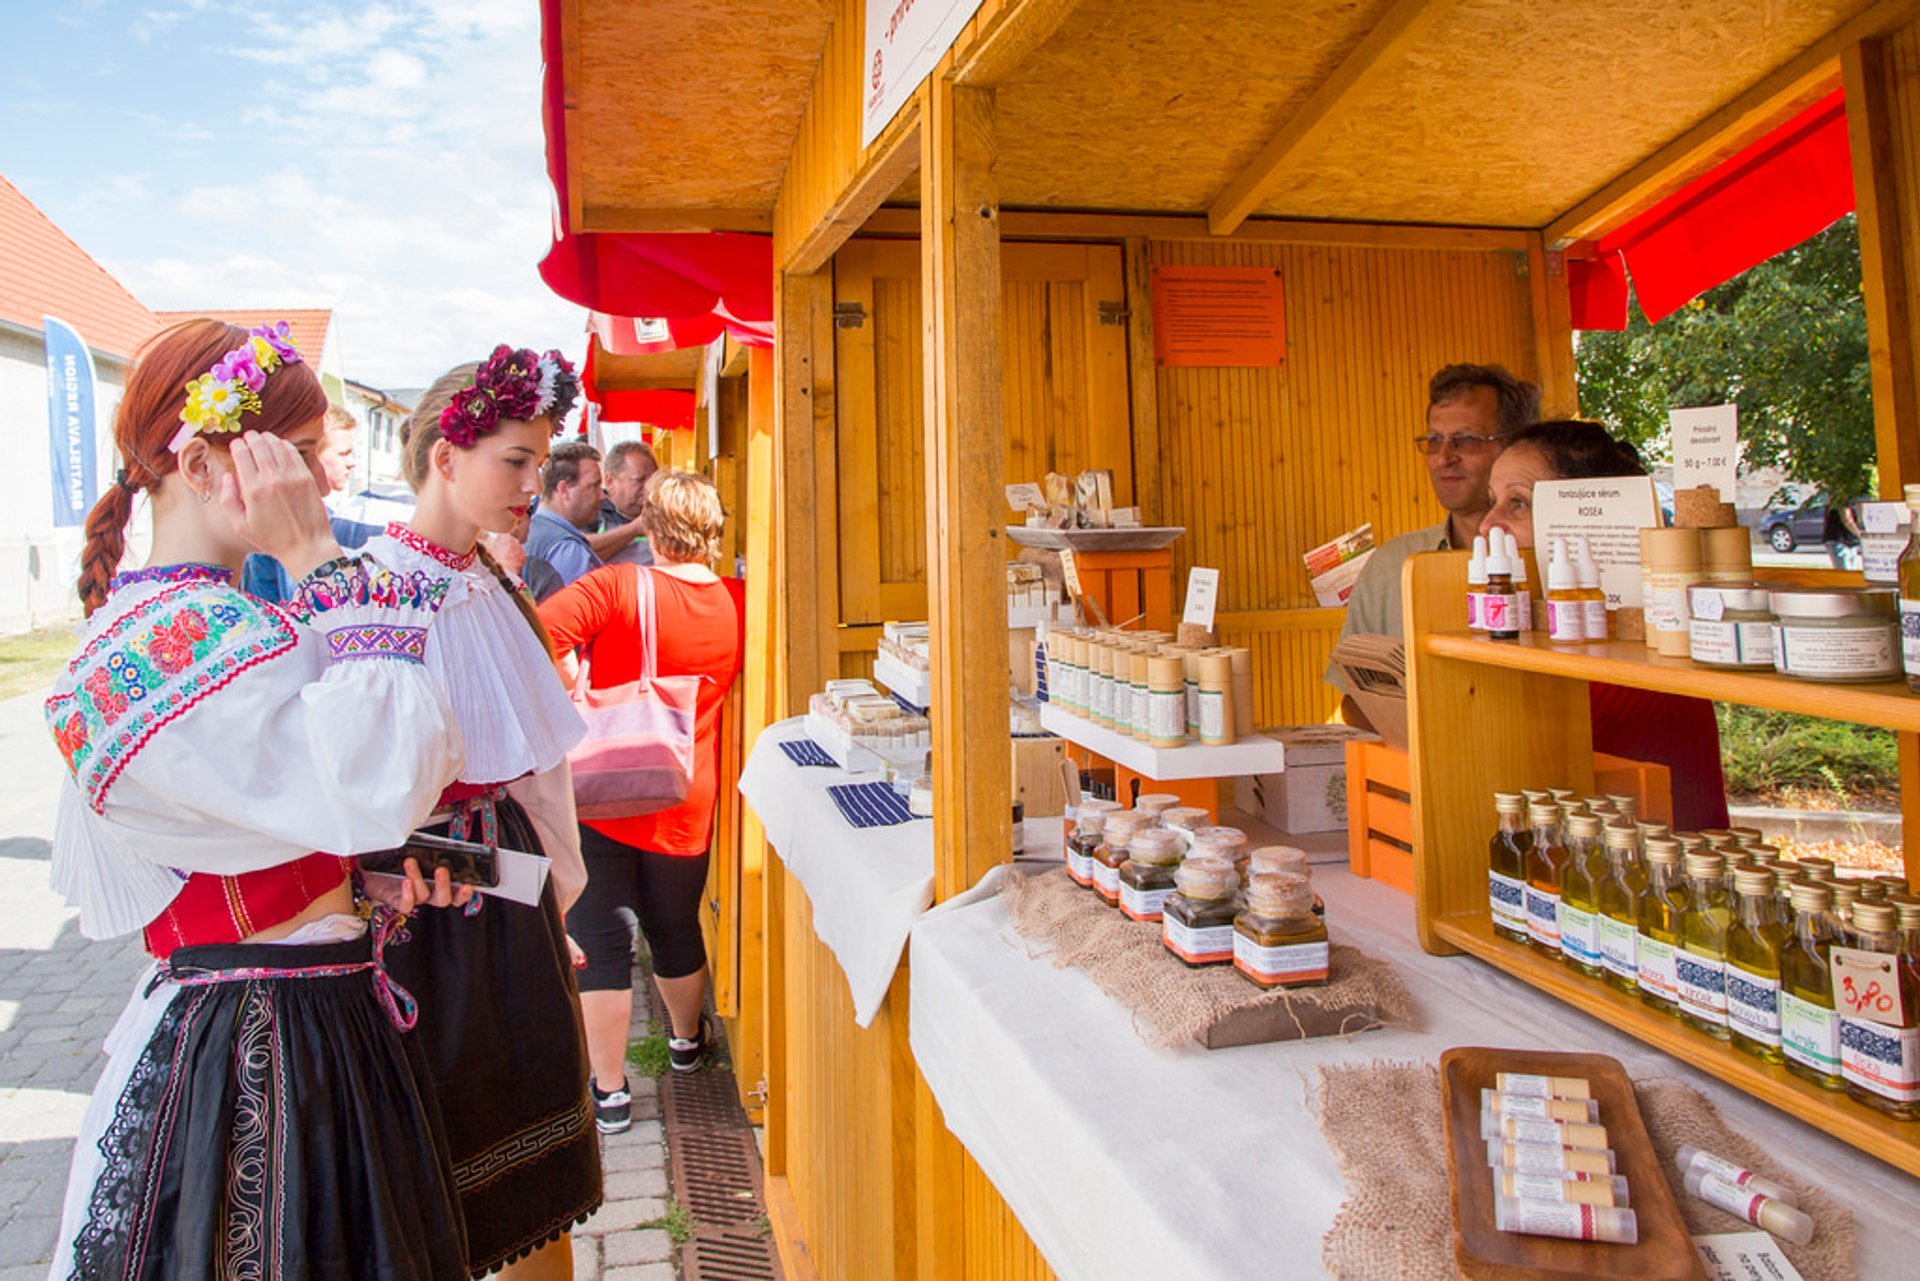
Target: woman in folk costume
{"x":500,"y":1017}
{"x":260,"y":1113}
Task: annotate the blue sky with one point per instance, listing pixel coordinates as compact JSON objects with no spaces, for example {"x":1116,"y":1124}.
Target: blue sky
{"x":380,"y":157}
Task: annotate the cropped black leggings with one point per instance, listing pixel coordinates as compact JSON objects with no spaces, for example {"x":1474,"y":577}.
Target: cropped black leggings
{"x":628,"y":887}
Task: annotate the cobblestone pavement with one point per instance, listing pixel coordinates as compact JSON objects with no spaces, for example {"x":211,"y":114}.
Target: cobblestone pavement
{"x":60,"y":995}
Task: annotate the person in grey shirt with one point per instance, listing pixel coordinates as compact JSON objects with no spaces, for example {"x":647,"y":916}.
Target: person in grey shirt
{"x":629,"y":466}
{"x":1472,"y":411}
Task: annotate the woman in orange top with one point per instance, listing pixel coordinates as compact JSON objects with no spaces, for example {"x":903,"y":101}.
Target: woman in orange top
{"x":653,"y":867}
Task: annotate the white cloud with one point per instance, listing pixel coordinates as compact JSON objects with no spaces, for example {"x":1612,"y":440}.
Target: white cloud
{"x":397,"y":175}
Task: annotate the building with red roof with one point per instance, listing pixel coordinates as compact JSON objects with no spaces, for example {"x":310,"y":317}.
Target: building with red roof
{"x":44,"y":273}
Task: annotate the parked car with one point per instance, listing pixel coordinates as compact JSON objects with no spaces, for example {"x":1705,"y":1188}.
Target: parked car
{"x":1807,"y":523}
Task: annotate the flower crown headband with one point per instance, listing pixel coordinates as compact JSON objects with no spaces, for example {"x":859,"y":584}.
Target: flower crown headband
{"x":514,"y":383}
{"x":217,"y":398}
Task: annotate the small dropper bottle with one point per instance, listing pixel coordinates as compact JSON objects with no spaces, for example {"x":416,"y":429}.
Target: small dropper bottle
{"x":1501,"y":607}
{"x":1477,"y":585}
{"x":1523,"y":594}
{"x":1566,"y":611}
{"x":1586,"y":572}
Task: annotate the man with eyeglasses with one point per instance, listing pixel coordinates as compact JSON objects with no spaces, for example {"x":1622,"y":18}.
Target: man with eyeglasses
{"x":1471,"y":412}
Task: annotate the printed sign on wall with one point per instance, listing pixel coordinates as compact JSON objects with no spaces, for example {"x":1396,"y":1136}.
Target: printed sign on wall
{"x":905,"y":39}
{"x":1219,"y":317}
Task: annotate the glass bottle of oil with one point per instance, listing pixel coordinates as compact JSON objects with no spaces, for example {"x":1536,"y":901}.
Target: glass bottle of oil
{"x":1809,"y":1027}
{"x":1700,"y":966}
{"x":1753,"y":966}
{"x":1845,"y":895}
{"x":1880,"y":1057}
{"x":1277,"y":940}
{"x":1507,"y":867}
{"x":1545,"y":858}
{"x":1580,"y":880}
{"x":1620,"y":897}
{"x":1909,"y":571}
{"x":1662,"y":909}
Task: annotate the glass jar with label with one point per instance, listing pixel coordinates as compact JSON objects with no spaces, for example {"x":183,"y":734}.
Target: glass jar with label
{"x":1506,"y":867}
{"x":1880,"y":1025}
{"x":1147,"y":876}
{"x":1196,"y":920}
{"x":1837,"y":634}
{"x":1809,"y":1025}
{"x":1732,"y":626}
{"x":1083,"y":847}
{"x":1120,"y":829}
{"x":1154,"y":804}
{"x":1662,"y":914}
{"x":1186,"y":819}
{"x":1700,"y":965}
{"x":1285,"y":858}
{"x":1277,"y":940}
{"x":1753,"y":966}
{"x":1229,"y":843}
{"x":1545,"y":859}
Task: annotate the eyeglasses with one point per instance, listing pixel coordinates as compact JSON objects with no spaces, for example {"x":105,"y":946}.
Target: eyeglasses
{"x":1466,"y":444}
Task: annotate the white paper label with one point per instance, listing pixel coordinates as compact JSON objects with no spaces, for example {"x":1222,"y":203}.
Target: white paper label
{"x":1522,"y":1129}
{"x":1666,"y":602}
{"x":1743,"y":1256}
{"x":1579,"y":934}
{"x":1536,"y":1187}
{"x":1507,"y":901}
{"x":1910,"y":635}
{"x":1595,"y":624}
{"x":1753,"y":1005}
{"x":1193,"y":707}
{"x":1107,"y":880}
{"x":1538,"y":1158}
{"x":1722,"y":642}
{"x":1203,"y":590}
{"x":1706,"y":447}
{"x":1708,"y":607}
{"x":1022,"y":498}
{"x":1702,"y":984}
{"x":1070,"y":572}
{"x":1501,"y":610}
{"x":1737,"y":1201}
{"x":1526,"y":1084}
{"x":1202,"y":944}
{"x":1609,"y":512}
{"x":1142,"y":717}
{"x":1543,"y":1219}
{"x":1835,"y":651}
{"x":1080,"y":866}
{"x":1810,"y":1034}
{"x":1167,"y":714}
{"x":1882,"y":1059}
{"x":1213,"y":714}
{"x":1567,"y":620}
{"x":1657,"y":976}
{"x":1475,"y":623}
{"x":1142,"y":905}
{"x":1288,"y":963}
{"x":1620,"y":948}
{"x":1543,"y":917}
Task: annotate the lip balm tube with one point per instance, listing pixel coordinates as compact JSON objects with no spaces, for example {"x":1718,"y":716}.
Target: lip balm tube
{"x":1690,"y":1159}
{"x":1776,"y":1217}
{"x":1546,"y":1087}
{"x":1573,"y":1222}
{"x":1539,"y":1108}
{"x":1550,"y":1158}
{"x":1519,"y":1129}
{"x":1561,"y":1188}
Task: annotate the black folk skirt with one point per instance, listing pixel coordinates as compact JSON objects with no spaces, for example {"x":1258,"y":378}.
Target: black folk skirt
{"x":276,"y":1124}
{"x":500,"y":1030}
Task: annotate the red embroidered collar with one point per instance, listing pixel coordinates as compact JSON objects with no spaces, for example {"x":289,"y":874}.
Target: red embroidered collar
{"x":427,"y":547}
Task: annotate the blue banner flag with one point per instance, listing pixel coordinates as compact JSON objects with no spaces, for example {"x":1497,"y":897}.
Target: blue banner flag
{"x":70,"y":422}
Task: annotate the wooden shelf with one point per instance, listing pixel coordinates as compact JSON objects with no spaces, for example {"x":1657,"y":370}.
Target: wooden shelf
{"x":1253,"y":754}
{"x":1895,"y":1142}
{"x":909,"y":683}
{"x":1888,"y":704}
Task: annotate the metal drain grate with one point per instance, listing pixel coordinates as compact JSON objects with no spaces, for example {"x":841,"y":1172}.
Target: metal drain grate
{"x":713,"y":1165}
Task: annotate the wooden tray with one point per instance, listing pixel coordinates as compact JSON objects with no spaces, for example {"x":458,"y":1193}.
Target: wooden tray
{"x":1139,"y":538}
{"x":1665,"y":1250}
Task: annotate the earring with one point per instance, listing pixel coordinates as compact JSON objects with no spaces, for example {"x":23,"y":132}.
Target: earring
{"x":206,"y":495}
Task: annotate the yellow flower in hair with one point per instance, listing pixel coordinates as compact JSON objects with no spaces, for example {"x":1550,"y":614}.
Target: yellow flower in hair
{"x":263,"y":353}
{"x":213,"y":404}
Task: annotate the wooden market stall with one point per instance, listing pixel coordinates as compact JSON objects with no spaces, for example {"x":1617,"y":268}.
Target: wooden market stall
{"x":965,"y":302}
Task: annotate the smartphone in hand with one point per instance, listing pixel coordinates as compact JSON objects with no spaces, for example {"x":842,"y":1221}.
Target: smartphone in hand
{"x":467,"y":863}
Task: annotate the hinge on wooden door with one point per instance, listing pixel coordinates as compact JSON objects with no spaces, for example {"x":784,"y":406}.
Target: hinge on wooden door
{"x":759,"y":1093}
{"x":849,"y":315}
{"x":1114,"y":313}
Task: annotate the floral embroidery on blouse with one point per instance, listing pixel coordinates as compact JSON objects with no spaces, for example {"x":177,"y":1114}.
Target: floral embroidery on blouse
{"x":455,"y":561}
{"x":185,"y":572}
{"x":149,"y":666}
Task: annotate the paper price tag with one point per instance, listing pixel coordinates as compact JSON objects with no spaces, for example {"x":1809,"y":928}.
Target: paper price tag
{"x":1706,"y":448}
{"x":1866,"y":985}
{"x":1203,"y":591}
{"x":1883,"y":518}
{"x":1023,"y":498}
{"x":1071,"y":572}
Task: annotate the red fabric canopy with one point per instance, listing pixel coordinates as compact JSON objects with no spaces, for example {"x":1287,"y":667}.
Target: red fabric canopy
{"x":1788,"y":186}
{"x":657,"y":407}
{"x":706,"y":282}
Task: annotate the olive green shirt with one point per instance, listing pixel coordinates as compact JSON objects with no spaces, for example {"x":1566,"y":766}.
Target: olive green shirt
{"x":1374,"y":603}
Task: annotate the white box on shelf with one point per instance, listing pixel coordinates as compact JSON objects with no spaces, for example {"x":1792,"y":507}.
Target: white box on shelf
{"x":909,"y":683}
{"x":839,"y":744}
{"x":1311,"y":796}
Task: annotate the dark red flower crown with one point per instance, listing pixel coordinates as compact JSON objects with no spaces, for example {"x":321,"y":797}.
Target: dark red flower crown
{"x":513,"y":383}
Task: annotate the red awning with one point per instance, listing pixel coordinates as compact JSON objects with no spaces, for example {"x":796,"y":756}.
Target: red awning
{"x":1788,"y":186}
{"x":656,"y":407}
{"x":705,"y":282}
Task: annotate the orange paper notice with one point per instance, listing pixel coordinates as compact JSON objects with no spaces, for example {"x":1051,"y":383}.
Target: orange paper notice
{"x":1219,"y":317}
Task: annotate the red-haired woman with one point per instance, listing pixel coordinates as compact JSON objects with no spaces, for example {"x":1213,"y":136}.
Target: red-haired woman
{"x":499,"y":1015}
{"x":260,"y":1112}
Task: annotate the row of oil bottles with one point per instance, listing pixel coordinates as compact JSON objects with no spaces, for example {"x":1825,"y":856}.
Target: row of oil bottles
{"x":1790,"y":962}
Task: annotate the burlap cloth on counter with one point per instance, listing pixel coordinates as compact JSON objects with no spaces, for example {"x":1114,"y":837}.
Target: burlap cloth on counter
{"x":1384,"y":1123}
{"x":1172,"y":1004}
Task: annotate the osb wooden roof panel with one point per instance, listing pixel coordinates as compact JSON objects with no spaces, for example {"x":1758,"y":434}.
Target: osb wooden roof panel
{"x":691,"y":103}
{"x":1507,"y":112}
{"x":615,"y":372}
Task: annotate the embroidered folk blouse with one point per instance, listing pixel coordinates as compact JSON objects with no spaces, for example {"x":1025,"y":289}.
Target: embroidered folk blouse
{"x":207,"y":732}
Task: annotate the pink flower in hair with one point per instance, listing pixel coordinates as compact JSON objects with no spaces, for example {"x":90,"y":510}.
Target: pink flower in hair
{"x":472,"y":413}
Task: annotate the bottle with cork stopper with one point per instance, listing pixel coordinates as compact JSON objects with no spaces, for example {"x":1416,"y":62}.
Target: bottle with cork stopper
{"x":1507,"y":867}
{"x":1880,"y":1033}
{"x":1277,"y":940}
{"x":1809,"y":1024}
{"x":1545,"y":859}
{"x":1581,"y":877}
{"x":1700,"y":966}
{"x":1566,"y":609}
{"x":1662,"y":917}
{"x":1753,"y":966}
{"x":1619,"y":915}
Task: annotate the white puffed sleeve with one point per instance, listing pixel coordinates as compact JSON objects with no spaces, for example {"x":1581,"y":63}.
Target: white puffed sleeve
{"x":208,"y":732}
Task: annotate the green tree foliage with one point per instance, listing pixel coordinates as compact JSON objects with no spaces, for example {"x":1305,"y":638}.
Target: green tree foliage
{"x":1786,"y":341}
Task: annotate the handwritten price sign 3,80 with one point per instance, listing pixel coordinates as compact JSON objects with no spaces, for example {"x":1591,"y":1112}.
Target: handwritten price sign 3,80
{"x":1866,"y":985}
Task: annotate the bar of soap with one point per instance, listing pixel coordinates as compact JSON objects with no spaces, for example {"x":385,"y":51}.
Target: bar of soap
{"x":920,"y":798}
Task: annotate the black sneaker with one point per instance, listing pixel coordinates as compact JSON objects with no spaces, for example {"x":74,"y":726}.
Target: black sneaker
{"x":687,"y":1055}
{"x":612,"y":1110}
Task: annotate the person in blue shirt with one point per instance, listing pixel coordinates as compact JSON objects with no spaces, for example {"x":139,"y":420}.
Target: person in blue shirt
{"x":569,"y":510}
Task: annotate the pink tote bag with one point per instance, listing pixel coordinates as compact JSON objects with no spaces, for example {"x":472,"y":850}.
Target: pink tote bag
{"x":637,"y":757}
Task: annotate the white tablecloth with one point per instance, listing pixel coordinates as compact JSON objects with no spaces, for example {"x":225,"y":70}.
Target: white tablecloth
{"x":1124,"y":1161}
{"x":867,"y":885}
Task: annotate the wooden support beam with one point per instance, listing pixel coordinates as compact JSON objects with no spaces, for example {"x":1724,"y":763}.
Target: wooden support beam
{"x":1143,"y":379}
{"x":570,"y":80}
{"x":966,"y":452}
{"x":1039,"y":224}
{"x":1886,"y":262}
{"x":1008,"y":39}
{"x":1777,"y":97}
{"x":1378,"y":53}
{"x":596,"y":217}
{"x":890,"y":160}
{"x":1552,"y":310}
{"x":799,"y":302}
